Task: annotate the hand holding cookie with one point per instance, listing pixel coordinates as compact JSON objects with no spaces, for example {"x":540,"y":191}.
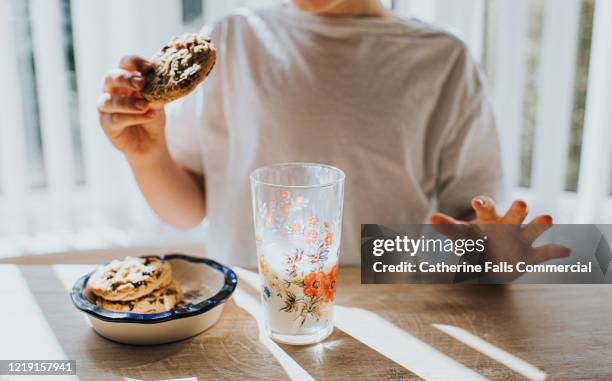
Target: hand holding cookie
{"x":131,"y":106}
{"x":132,"y":124}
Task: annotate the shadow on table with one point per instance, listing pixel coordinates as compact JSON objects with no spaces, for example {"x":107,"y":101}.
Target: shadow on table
{"x":321,"y":360}
{"x":374,"y":347}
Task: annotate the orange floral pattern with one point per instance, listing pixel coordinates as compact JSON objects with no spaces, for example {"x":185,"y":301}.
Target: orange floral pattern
{"x":295,"y":228}
{"x":329,"y":239}
{"x":285,"y":209}
{"x":329,"y":284}
{"x":304,"y":288}
{"x":285,"y":195}
{"x":311,"y":236}
{"x":314,"y":284}
{"x":309,"y":297}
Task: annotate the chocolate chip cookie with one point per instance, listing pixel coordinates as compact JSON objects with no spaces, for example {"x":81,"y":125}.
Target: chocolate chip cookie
{"x":158,"y":301}
{"x":178,"y":68}
{"x":130,"y":279}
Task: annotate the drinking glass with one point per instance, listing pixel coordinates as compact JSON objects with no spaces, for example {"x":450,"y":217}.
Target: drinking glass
{"x":297,"y":210}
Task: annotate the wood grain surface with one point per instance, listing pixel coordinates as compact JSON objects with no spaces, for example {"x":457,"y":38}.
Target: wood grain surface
{"x":564,"y":331}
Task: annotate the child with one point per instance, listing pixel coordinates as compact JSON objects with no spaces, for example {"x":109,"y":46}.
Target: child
{"x":397,"y":104}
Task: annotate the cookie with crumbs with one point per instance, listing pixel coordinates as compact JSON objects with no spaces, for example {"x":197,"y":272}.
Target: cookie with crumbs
{"x":178,"y":68}
{"x":160,"y":300}
{"x":130,"y":278}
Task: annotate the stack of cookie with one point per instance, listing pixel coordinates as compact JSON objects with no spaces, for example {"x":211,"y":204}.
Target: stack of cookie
{"x":140,"y":285}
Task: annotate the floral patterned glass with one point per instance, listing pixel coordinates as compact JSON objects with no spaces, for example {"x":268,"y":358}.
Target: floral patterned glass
{"x":297,"y":210}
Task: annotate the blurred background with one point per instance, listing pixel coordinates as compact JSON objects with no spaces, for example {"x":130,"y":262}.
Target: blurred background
{"x":64,"y":188}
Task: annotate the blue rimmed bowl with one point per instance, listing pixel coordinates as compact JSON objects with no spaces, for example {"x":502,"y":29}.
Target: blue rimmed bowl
{"x":206,"y":286}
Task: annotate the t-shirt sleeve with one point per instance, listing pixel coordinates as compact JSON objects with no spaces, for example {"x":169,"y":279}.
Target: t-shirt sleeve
{"x":470,"y":157}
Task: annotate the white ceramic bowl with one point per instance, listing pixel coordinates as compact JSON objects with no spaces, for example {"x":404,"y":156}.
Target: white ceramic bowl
{"x":206,"y":285}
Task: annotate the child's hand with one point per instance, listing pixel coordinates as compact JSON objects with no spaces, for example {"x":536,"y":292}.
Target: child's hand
{"x":486,"y":213}
{"x":134,"y":127}
{"x":507,"y":240}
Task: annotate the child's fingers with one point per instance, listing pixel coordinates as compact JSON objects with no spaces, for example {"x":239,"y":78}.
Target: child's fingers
{"x":109,"y":104}
{"x":442,"y":219}
{"x":485,"y":209}
{"x":116,"y":122}
{"x":516,"y":214}
{"x":135,"y":63}
{"x":122,"y":79}
{"x":537,"y":227}
{"x":447,"y":225}
{"x":543,"y":219}
{"x":547,"y":252}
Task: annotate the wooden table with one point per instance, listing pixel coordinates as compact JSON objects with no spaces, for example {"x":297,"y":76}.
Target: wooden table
{"x":383,"y":332}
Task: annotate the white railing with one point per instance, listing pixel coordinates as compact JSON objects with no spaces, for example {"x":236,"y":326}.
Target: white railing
{"x":108,"y":204}
{"x":555,"y":92}
{"x":596,"y":168}
{"x":107,"y":209}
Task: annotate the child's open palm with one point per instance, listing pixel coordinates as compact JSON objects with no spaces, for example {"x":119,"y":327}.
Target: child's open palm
{"x":508,"y":240}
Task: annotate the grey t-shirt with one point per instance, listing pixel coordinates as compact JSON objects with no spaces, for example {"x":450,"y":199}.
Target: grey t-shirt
{"x":397,"y":104}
